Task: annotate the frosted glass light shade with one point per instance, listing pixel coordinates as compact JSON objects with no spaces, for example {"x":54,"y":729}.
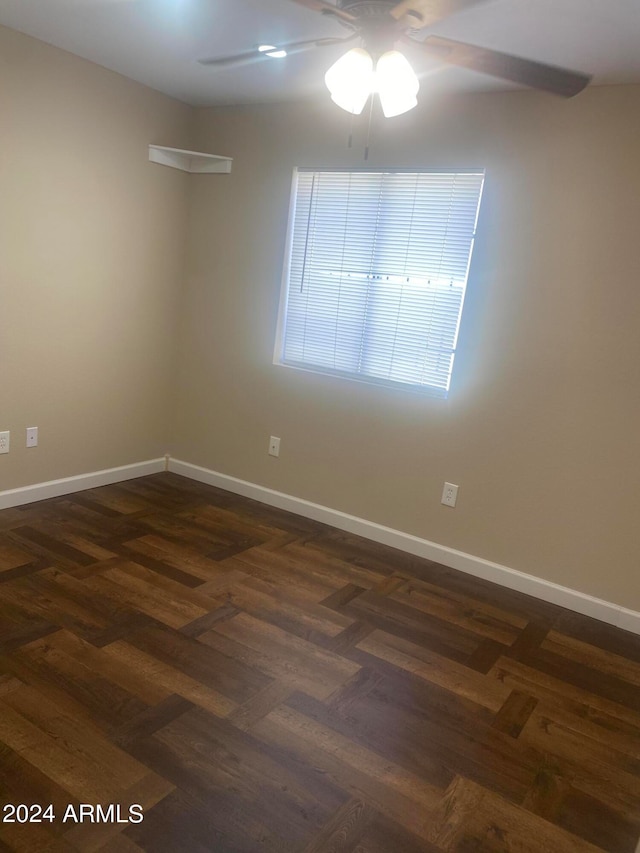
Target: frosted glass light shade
{"x":396,"y":84}
{"x":351,"y":80}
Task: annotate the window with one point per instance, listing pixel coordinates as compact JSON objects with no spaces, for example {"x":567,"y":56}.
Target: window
{"x":377,"y":265}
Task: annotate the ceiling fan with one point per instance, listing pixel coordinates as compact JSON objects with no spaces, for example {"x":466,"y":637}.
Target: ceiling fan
{"x":379,"y":25}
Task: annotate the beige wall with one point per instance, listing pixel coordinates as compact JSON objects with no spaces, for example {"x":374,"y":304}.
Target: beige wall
{"x":91,"y":263}
{"x":104,"y":351}
{"x":541,"y":430}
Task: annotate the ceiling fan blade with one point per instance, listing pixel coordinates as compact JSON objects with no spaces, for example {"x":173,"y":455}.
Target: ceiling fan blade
{"x":325,"y":8}
{"x":254,"y":55}
{"x":527,"y":72}
{"x":423,"y":13}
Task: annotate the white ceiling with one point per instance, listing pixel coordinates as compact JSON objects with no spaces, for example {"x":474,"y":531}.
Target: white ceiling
{"x":157,"y":42}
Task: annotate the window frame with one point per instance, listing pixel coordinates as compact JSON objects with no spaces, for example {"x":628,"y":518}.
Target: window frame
{"x":367,"y":379}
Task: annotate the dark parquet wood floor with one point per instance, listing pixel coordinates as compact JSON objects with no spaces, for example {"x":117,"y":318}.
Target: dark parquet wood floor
{"x":259,"y":682}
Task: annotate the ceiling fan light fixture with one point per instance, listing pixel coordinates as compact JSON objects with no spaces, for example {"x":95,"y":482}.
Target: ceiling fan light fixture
{"x":396,"y":84}
{"x":272,"y":51}
{"x":351,"y":80}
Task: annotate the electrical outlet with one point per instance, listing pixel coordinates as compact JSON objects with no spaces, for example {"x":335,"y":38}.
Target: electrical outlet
{"x":449,"y":494}
{"x":4,"y":441}
{"x":274,"y":446}
{"x":32,"y":436}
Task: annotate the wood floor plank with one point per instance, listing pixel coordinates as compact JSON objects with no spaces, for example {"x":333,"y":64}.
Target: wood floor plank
{"x":458,"y":610}
{"x":258,"y":681}
{"x":265,"y":602}
{"x":344,"y":830}
{"x":71,"y":589}
{"x":55,"y":672}
{"x":515,"y":713}
{"x":596,"y":769}
{"x":591,"y":656}
{"x":402,"y":620}
{"x":401,"y":795}
{"x":28,"y":784}
{"x":436,"y":669}
{"x":245,"y":777}
{"x":554,"y":691}
{"x":474,"y":818}
{"x":140,"y":595}
{"x":286,"y":571}
{"x":28,"y":596}
{"x":182,"y":532}
{"x":168,"y":678}
{"x":280,"y":655}
{"x":16,"y":632}
{"x":179,"y":556}
{"x":120,"y":844}
{"x":201,"y":661}
{"x":335,"y":570}
{"x":591,"y":679}
{"x":600,"y":634}
{"x":84,"y":741}
{"x":51,"y":547}
{"x":32,"y":838}
{"x":62,"y":754}
{"x":254,"y":709}
{"x":146,"y":793}
{"x":102,"y":663}
{"x":11,"y":556}
{"x":401,"y":712}
{"x":144,"y":580}
{"x":383,"y":836}
{"x":117,"y":499}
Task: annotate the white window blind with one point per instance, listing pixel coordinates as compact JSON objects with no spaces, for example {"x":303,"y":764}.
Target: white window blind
{"x":377,"y":272}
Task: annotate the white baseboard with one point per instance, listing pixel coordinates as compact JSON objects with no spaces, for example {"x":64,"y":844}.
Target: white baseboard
{"x":55,"y":488}
{"x":563,"y":596}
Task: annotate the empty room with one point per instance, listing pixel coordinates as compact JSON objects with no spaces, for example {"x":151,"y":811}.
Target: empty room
{"x":319,"y":426}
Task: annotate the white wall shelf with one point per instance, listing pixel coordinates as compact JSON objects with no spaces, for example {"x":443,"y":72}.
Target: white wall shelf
{"x":189,"y":161}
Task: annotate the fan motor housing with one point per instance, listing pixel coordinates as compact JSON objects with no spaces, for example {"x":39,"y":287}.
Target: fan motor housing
{"x":363,"y":9}
{"x":372,"y":19}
